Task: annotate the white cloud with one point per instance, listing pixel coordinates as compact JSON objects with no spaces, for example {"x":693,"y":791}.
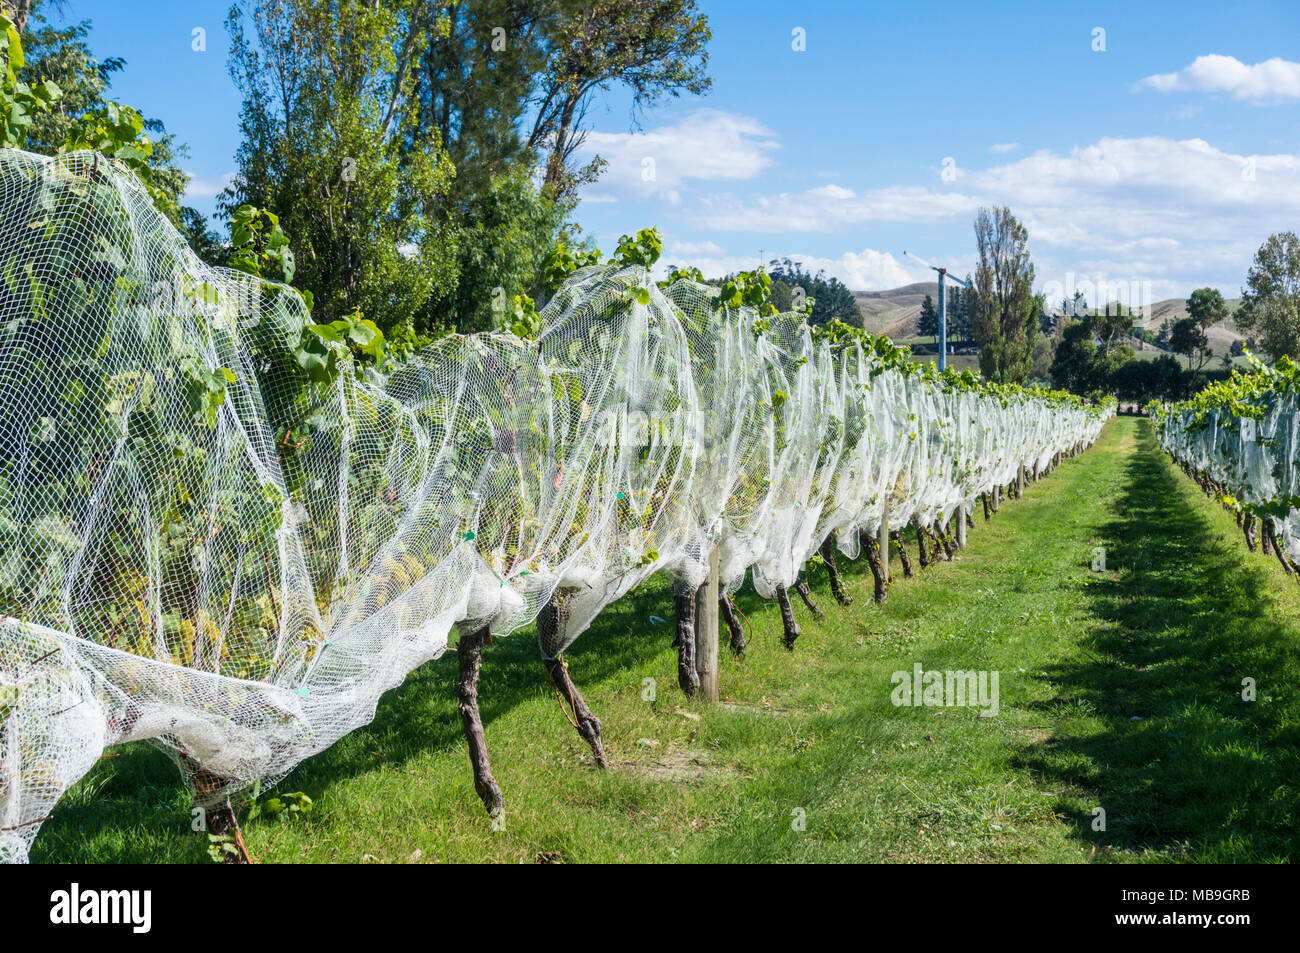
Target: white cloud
{"x":202,"y":187}
{"x":1177,"y":212}
{"x":1119,"y":190}
{"x":829,"y":207}
{"x":684,"y":250}
{"x":1004,"y":147}
{"x":1270,"y":81}
{"x":866,"y":270}
{"x":1111,"y":191}
{"x":708,"y":145}
{"x":1159,"y":209}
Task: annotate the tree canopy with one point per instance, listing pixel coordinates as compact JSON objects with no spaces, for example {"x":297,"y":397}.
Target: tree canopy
{"x":831,"y":299}
{"x":927,"y":324}
{"x":431,"y":166}
{"x":1270,"y":303}
{"x":1005,"y":314}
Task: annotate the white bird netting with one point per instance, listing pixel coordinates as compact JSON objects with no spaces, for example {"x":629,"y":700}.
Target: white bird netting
{"x":237,"y":565}
{"x":1250,"y":448}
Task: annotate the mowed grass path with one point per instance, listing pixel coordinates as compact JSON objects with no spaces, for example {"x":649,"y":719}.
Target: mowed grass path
{"x":1118,"y":690}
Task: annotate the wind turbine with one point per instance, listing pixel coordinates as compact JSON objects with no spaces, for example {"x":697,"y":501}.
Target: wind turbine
{"x":943,"y":300}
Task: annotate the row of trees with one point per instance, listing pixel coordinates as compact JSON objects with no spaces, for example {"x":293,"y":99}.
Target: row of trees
{"x":424,"y":155}
{"x":428,"y":171}
{"x":1085,"y":351}
{"x":1081,"y":366}
{"x":1092,"y":357}
{"x":793,"y":287}
{"x":431,"y":164}
{"x":956,"y":316}
{"x":1087,"y":361}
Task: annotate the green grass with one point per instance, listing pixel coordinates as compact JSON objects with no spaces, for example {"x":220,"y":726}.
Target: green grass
{"x":1166,"y":635}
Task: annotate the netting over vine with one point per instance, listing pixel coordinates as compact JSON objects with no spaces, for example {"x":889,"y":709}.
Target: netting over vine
{"x":204,"y":545}
{"x":1242,"y":436}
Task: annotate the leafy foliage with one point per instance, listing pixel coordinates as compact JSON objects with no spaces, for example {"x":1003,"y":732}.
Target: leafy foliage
{"x":1206,"y":306}
{"x":1005,"y":318}
{"x":1270,"y":303}
{"x":642,"y":249}
{"x":503,"y":242}
{"x":20,"y":102}
{"x":333,"y":157}
{"x":258,"y":243}
{"x":827,"y":299}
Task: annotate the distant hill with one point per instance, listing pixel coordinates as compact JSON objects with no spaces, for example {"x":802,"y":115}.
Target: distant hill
{"x":897,"y":311}
{"x":1221,"y":335}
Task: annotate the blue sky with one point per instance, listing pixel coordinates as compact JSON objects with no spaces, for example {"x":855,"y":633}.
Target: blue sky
{"x":1161,"y":161}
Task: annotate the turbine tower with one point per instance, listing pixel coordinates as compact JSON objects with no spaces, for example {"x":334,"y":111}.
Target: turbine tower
{"x":943,"y":304}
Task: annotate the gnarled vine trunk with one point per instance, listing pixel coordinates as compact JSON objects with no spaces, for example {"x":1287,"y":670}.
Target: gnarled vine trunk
{"x":684,"y":609}
{"x":788,"y":622}
{"x":732,"y":618}
{"x":872,"y":547}
{"x":549,"y":624}
{"x":833,"y":572}
{"x":801,"y":587}
{"x":469,"y":654}
{"x":903,"y":557}
{"x":585,"y":721}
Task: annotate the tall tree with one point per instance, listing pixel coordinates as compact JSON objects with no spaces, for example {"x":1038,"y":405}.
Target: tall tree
{"x":471,"y":91}
{"x":473,"y":86}
{"x":653,"y":48}
{"x":504,"y":89}
{"x":1270,"y":302}
{"x":1111,"y":324}
{"x":927,"y":324}
{"x":1206,"y":307}
{"x":327,"y":143}
{"x":1187,"y":338}
{"x":1005,"y":313}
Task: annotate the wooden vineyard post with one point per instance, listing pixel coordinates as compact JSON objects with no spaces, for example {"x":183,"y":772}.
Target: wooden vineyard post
{"x":961,"y":526}
{"x":706,"y":632}
{"x":883,"y":538}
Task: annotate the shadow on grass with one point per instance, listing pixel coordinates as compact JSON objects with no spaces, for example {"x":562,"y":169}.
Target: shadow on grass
{"x":133,"y":808}
{"x":1178,"y":760}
